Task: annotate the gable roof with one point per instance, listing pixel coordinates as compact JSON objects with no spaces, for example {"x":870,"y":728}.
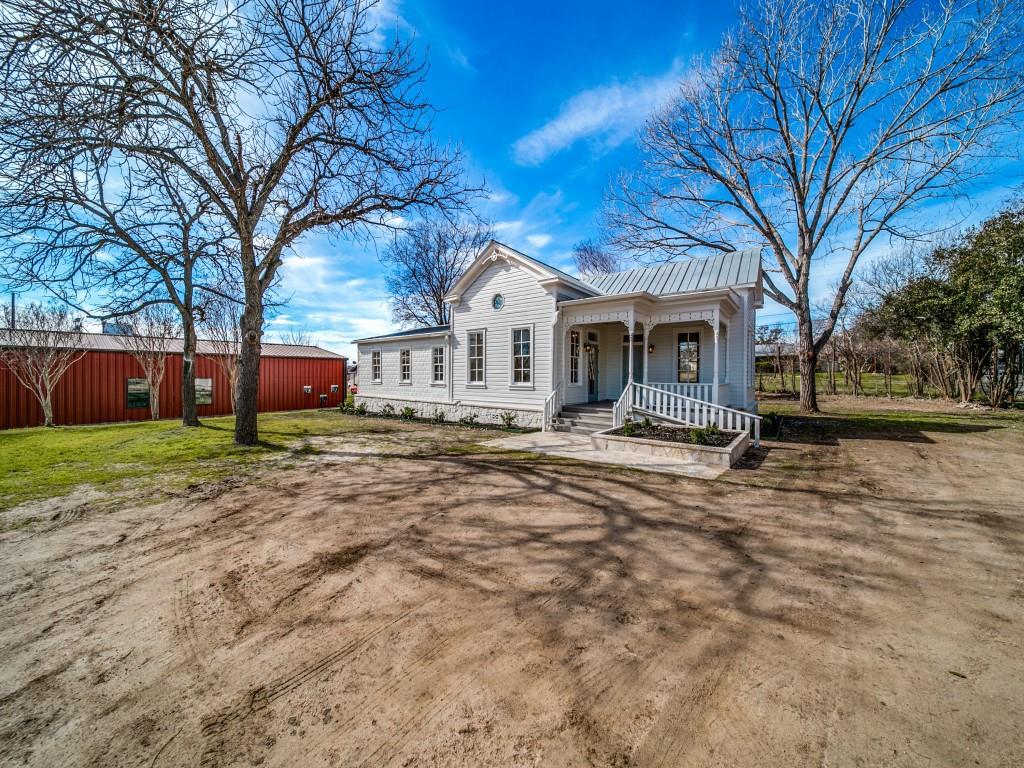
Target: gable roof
{"x":427,"y":330}
{"x":543,"y":272}
{"x":722,"y":270}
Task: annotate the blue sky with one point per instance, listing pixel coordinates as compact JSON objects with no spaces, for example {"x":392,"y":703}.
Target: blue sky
{"x":545,"y":100}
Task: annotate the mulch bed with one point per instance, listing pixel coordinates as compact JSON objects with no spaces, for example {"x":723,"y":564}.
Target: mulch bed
{"x":676,"y":435}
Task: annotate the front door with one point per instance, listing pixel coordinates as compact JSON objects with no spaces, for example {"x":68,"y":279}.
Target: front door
{"x":592,"y":385}
{"x":638,"y":363}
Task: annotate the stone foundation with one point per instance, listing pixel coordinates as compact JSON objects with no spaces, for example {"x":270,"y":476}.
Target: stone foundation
{"x":452,"y":411}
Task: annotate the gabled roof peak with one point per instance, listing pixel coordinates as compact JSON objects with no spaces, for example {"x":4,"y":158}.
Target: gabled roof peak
{"x":494,"y":251}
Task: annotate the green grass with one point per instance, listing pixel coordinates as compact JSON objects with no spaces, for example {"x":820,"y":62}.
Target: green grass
{"x":871,"y":384}
{"x":909,"y":425}
{"x":42,"y":463}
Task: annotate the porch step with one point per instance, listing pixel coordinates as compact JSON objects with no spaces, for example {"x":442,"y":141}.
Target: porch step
{"x":583,"y":419}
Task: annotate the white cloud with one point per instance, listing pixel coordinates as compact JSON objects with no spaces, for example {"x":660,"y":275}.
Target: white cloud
{"x":606,"y":115}
{"x":538,"y":241}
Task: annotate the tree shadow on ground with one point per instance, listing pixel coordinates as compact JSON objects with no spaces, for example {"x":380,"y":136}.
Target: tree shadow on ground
{"x":830,"y":429}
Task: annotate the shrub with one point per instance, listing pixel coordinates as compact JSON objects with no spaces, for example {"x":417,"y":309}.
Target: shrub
{"x":408,"y":414}
{"x":713,"y":429}
{"x":387,"y":411}
{"x":646,"y":423}
{"x":628,"y":428}
{"x":348,"y":405}
{"x":438,"y":417}
{"x":360,"y":410}
{"x":699,"y":436}
{"x":469,"y":420}
{"x":508,"y":418}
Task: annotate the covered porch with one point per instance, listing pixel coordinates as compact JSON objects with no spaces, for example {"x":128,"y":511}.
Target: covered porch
{"x":692,"y":345}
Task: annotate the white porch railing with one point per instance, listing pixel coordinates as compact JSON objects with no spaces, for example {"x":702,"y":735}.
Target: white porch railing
{"x":696,"y":391}
{"x":685,"y":410}
{"x":552,"y":407}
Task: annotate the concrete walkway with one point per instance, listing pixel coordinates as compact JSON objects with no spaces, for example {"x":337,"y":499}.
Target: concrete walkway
{"x":572,"y":446}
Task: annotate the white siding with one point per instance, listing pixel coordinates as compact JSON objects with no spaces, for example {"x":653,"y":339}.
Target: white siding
{"x":421,"y":387}
{"x":526,"y":304}
{"x":663,"y":361}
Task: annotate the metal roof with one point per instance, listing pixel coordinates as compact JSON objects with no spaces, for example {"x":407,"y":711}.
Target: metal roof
{"x":105,"y":342}
{"x":723,"y":270}
{"x":428,"y":330}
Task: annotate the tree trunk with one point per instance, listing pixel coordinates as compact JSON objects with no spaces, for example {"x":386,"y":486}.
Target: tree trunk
{"x":189,"y":414}
{"x":47,"y":405}
{"x":808,"y":364}
{"x":154,"y":400}
{"x":247,"y":389}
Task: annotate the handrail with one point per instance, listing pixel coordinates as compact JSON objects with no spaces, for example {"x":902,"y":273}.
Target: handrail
{"x":690,"y":410}
{"x":619,"y":409}
{"x":552,"y":405}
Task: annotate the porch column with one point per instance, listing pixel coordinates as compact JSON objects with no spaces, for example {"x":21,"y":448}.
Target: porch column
{"x":714,"y":389}
{"x":629,"y":345}
{"x":647,"y":359}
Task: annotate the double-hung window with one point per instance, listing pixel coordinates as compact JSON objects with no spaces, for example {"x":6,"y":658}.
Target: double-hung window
{"x":574,"y":357}
{"x":688,"y":358}
{"x":437,"y":365}
{"x":522,"y":356}
{"x":475,"y":347}
{"x":375,"y":366}
{"x":405,"y":366}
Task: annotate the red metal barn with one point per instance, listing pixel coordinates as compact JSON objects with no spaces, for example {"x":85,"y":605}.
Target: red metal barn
{"x":98,"y":388}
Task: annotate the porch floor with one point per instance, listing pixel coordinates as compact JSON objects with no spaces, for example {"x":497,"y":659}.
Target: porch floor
{"x":574,"y":446}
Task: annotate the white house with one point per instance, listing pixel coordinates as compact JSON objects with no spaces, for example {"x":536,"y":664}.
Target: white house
{"x":674,"y":341}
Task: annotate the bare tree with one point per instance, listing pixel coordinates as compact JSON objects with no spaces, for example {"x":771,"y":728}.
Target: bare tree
{"x":593,"y":259}
{"x":129,"y":233}
{"x":423,"y":263}
{"x":38,"y":346}
{"x":815,"y":129}
{"x":222,"y":337}
{"x":287,"y":114}
{"x":151,"y":332}
{"x":302,"y":337}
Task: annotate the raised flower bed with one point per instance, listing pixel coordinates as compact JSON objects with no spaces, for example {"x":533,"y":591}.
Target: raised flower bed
{"x":713,"y":448}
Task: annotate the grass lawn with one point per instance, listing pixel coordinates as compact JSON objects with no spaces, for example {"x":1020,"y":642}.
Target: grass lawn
{"x":871,"y":383}
{"x":853,"y":417}
{"x":41,"y":463}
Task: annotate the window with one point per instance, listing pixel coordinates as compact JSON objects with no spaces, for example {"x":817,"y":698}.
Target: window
{"x":334,"y":388}
{"x":138,"y":393}
{"x":521,"y":356}
{"x":375,"y":365}
{"x":404,"y":367}
{"x":204,"y":391}
{"x":475,"y":356}
{"x":574,"y":357}
{"x":437,"y":364}
{"x":498,"y":301}
{"x":688,"y":358}
{"x":307,"y":389}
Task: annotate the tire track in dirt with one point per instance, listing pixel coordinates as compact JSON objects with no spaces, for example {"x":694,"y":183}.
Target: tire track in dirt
{"x":214,"y":728}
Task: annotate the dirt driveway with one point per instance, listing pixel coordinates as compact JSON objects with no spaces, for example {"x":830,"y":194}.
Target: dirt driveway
{"x":860,"y":603}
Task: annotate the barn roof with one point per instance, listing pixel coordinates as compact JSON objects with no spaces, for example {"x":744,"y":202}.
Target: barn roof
{"x":723,"y":270}
{"x":106,"y":342}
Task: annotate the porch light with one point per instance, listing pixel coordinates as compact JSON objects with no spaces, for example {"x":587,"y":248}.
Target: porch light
{"x":586,"y":347}
{"x":650,"y":349}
